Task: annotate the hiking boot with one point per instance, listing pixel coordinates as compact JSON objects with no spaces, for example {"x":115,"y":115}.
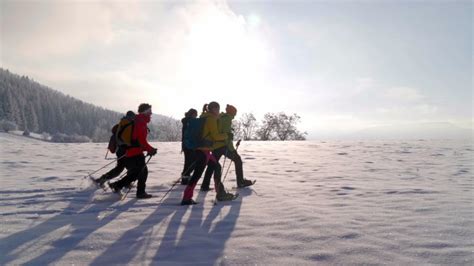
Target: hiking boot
{"x":100,"y":181}
{"x":246,"y":183}
{"x":144,"y":195}
{"x":225,"y":196}
{"x":114,"y":187}
{"x":188,"y":202}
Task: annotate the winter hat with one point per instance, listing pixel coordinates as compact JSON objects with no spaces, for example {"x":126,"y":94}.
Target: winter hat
{"x":191,"y":112}
{"x":231,"y":110}
{"x":144,"y":108}
{"x":212,"y":105}
{"x":130,"y":115}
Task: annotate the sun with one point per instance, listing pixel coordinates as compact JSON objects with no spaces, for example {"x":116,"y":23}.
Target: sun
{"x":223,"y":50}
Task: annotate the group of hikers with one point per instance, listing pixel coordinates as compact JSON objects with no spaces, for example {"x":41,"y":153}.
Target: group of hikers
{"x":205,"y":139}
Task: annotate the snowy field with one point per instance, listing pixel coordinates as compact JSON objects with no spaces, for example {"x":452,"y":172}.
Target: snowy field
{"x":368,"y":202}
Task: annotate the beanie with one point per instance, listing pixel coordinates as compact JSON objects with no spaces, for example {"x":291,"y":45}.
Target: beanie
{"x":231,"y":110}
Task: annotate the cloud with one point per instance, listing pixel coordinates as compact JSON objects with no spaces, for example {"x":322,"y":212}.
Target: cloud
{"x":403,"y":94}
{"x":180,"y":55}
{"x":175,"y":54}
{"x":53,"y":29}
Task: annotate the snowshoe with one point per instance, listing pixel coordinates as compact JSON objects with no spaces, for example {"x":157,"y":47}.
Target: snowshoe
{"x":144,"y":195}
{"x":115,"y":188}
{"x":246,"y":183}
{"x":100,"y":181}
{"x":226,"y":196}
{"x":188,"y":202}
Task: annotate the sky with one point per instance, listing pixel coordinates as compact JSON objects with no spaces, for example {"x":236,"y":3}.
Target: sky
{"x":342,"y":66}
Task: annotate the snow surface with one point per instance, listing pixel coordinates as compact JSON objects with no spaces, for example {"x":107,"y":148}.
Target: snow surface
{"x":367,"y":202}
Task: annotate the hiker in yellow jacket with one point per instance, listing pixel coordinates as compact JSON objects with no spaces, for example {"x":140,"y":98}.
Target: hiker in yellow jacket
{"x":211,"y":137}
{"x":227,"y":149}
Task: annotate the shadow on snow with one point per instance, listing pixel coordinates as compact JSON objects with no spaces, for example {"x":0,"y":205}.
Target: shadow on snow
{"x":83,"y":223}
{"x":202,"y":240}
{"x":197,"y":244}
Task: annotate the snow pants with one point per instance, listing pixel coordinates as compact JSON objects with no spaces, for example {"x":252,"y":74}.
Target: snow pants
{"x":204,"y":158}
{"x":232,"y":155}
{"x":137,"y":169}
{"x":189,"y":162}
{"x":119,"y":167}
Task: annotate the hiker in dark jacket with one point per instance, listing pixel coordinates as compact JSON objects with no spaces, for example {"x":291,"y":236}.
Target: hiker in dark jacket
{"x":189,"y":154}
{"x":135,"y":160}
{"x":121,"y":149}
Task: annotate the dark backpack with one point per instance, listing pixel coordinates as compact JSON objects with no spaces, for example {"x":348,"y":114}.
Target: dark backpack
{"x":112,"y":147}
{"x":193,"y":134}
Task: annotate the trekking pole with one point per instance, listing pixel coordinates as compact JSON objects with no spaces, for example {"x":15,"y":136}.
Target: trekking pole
{"x":174,"y":184}
{"x":225,"y":158}
{"x":104,"y":166}
{"x":131,"y":184}
{"x":169,"y":190}
{"x":236,"y":148}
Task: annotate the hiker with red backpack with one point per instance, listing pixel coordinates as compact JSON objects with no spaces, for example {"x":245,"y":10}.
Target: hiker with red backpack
{"x":135,"y":159}
{"x":117,"y":146}
{"x":189,"y":154}
{"x":201,"y":135}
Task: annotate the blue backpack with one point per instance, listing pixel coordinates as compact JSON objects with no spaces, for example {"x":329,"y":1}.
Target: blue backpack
{"x":193,"y":137}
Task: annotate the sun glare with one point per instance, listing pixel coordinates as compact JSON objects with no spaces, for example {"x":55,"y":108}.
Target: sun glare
{"x":223,"y":51}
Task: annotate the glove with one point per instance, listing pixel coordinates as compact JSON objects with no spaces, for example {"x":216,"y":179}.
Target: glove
{"x":152,"y":152}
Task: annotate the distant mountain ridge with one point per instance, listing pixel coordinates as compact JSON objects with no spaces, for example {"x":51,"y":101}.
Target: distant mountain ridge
{"x":38,"y":108}
{"x":433,"y":130}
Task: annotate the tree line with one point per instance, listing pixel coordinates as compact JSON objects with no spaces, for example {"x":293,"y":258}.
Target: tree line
{"x":31,"y":107}
{"x":274,"y":126}
{"x":28,"y":106}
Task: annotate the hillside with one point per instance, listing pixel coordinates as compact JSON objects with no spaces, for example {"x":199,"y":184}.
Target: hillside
{"x":37,"y":108}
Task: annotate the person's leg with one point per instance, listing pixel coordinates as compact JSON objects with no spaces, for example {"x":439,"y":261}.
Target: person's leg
{"x":114,"y":172}
{"x":206,"y":181}
{"x":188,"y":160}
{"x":239,"y":172}
{"x":133,"y":168}
{"x":193,"y":156}
{"x":201,"y":161}
{"x":217,"y":154}
{"x":217,"y":171}
{"x":189,"y":165}
{"x":141,"y":176}
{"x":221,"y":194}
